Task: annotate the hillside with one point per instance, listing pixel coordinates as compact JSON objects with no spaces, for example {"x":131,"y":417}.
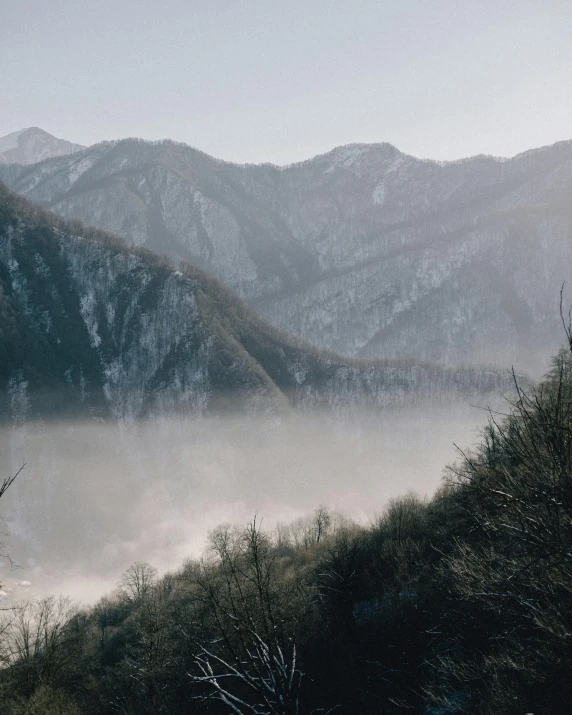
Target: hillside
{"x":458,"y":604}
{"x":90,"y":325}
{"x":364,"y":250}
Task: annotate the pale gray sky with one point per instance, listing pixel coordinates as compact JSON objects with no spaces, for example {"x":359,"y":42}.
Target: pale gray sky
{"x":282,"y":80}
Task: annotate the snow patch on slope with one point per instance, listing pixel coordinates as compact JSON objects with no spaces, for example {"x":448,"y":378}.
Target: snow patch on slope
{"x":346,"y":156}
{"x":79,"y":168}
{"x":378,"y":195}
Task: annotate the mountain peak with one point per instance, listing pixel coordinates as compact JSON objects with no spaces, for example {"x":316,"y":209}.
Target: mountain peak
{"x":33,"y":144}
{"x":359,"y":156}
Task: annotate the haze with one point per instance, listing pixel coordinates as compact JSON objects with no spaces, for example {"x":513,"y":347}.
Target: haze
{"x":95,"y":497}
{"x":280,"y":82}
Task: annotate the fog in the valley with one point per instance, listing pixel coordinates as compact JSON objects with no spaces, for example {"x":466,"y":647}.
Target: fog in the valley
{"x":94,"y":497}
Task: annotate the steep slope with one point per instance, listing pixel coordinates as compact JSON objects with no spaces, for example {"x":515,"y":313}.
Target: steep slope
{"x":89,"y":325}
{"x":29,"y":146}
{"x":363,"y":250}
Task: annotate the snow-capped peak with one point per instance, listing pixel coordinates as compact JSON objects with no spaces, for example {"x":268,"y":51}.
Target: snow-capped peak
{"x":28,"y":146}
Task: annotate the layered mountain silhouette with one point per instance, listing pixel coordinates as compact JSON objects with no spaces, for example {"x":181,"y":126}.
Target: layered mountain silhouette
{"x":91,"y":326}
{"x":364,"y":250}
{"x":29,"y":146}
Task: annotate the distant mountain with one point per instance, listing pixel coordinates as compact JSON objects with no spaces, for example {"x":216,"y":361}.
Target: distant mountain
{"x":29,"y":146}
{"x":364,"y":250}
{"x":91,"y":326}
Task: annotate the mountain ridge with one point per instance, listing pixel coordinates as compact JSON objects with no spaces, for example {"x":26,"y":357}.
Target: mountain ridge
{"x":338,"y":147}
{"x":120,"y":332}
{"x":364,"y":250}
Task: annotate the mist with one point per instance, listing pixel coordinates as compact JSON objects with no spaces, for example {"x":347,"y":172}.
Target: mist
{"x":94,"y":496}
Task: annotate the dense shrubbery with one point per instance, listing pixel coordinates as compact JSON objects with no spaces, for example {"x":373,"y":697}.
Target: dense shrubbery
{"x":460,"y":604}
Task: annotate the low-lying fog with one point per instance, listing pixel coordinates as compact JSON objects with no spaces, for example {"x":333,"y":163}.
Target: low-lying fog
{"x":95,"y":497}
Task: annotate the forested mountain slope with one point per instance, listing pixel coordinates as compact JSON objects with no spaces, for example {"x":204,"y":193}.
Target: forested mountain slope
{"x":364,"y":250}
{"x":88,"y":323}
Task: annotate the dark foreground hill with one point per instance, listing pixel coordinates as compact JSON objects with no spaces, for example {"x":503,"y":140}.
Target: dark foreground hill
{"x":364,"y":250}
{"x":461,"y":605}
{"x":90,"y":325}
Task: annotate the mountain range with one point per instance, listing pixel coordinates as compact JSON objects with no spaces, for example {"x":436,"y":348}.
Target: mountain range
{"x":365,"y":250}
{"x":90,"y":325}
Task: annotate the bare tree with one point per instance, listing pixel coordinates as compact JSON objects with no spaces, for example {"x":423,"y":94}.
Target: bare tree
{"x":151,"y":657}
{"x":8,"y":481}
{"x":138,"y":580}
{"x":308,"y":532}
{"x":247,"y":656}
{"x":38,"y":643}
{"x":323,"y":520}
{"x":4,"y":486}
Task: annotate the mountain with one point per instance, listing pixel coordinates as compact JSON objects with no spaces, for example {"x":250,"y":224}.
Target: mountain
{"x":365,"y":250}
{"x":91,"y":326}
{"x":29,"y":146}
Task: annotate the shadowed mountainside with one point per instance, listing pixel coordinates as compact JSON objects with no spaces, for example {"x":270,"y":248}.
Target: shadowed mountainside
{"x":91,"y":325}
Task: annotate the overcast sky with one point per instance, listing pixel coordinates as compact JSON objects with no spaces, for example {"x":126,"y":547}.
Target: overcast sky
{"x":283,"y":80}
